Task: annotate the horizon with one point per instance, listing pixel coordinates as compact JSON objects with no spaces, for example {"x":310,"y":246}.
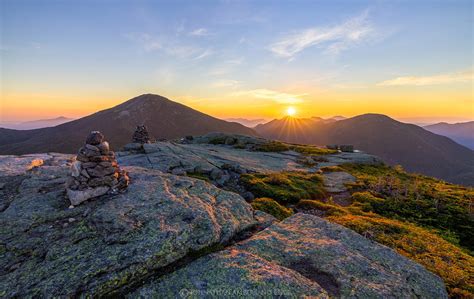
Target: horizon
{"x":420,"y":121}
{"x":410,"y":61}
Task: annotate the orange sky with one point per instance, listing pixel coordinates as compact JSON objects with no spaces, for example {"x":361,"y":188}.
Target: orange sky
{"x":250,"y":59}
{"x":432,"y":103}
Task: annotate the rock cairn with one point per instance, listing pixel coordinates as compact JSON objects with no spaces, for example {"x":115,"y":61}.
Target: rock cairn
{"x":95,"y":171}
{"x":141,"y":135}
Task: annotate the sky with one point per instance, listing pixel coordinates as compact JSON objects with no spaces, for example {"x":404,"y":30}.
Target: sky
{"x":412,"y":60}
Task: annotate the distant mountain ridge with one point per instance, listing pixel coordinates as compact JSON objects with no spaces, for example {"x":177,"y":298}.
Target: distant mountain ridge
{"x":416,"y":149}
{"x":462,"y":133}
{"x":163,"y":117}
{"x":247,"y":122}
{"x":36,"y":124}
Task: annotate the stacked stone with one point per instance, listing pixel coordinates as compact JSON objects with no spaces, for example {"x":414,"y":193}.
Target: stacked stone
{"x":141,"y":135}
{"x":95,"y":171}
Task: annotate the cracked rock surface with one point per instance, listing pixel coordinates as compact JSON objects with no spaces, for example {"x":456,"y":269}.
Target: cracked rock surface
{"x":48,"y":249}
{"x":172,"y":232}
{"x":306,"y":256}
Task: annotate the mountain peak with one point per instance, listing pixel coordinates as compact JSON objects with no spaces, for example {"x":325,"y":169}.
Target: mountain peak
{"x":148,"y":97}
{"x":373,"y":117}
{"x":164,"y":118}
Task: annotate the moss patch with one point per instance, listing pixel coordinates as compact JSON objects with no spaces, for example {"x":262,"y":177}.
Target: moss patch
{"x":285,"y":187}
{"x":271,"y":207}
{"x":277,"y":146}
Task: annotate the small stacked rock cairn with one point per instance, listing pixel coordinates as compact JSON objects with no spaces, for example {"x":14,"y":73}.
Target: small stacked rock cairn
{"x":141,"y":135}
{"x":139,"y":138}
{"x":95,"y":171}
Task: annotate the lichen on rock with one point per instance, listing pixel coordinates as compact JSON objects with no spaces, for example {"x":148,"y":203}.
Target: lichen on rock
{"x":113,"y":242}
{"x":304,"y":256}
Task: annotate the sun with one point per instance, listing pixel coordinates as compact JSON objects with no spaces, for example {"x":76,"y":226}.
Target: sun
{"x":290,"y":111}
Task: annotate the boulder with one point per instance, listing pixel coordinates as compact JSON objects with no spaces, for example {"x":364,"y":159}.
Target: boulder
{"x":335,"y":182}
{"x":114,"y":242}
{"x":78,"y":196}
{"x":342,"y":261}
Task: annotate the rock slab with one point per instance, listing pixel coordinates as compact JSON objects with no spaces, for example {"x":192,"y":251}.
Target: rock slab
{"x":113,"y":242}
{"x":305,"y":256}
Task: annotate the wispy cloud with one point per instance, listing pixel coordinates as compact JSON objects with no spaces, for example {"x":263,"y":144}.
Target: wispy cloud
{"x":148,"y":42}
{"x":465,"y":76}
{"x":334,"y":39}
{"x":199,"y":32}
{"x":226,"y":67}
{"x":225,"y":83}
{"x":174,"y":48}
{"x":268,"y":94}
{"x":204,"y":54}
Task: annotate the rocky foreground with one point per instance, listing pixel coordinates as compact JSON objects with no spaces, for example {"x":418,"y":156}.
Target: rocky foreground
{"x":171,"y":235}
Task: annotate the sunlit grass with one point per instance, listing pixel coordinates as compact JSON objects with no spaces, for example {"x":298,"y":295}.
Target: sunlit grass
{"x":285,"y":187}
{"x":429,"y":202}
{"x":276,"y":146}
{"x":454,"y":266}
{"x":272,"y":207}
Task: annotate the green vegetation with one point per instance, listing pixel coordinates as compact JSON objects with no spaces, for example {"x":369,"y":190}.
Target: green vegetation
{"x":273,"y":146}
{"x":454,"y":266}
{"x":285,"y":187}
{"x":327,"y":209}
{"x":425,"y":219}
{"x":218,"y":140}
{"x":312,"y":150}
{"x":271,"y":207}
{"x":428,"y":202}
{"x":277,"y":146}
{"x":331,"y":169}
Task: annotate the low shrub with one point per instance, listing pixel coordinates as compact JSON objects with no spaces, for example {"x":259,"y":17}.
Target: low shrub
{"x":271,"y":207}
{"x":272,"y":146}
{"x":217,"y":140}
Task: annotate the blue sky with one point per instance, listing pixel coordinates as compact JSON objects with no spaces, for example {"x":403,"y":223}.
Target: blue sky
{"x":213,"y":54}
